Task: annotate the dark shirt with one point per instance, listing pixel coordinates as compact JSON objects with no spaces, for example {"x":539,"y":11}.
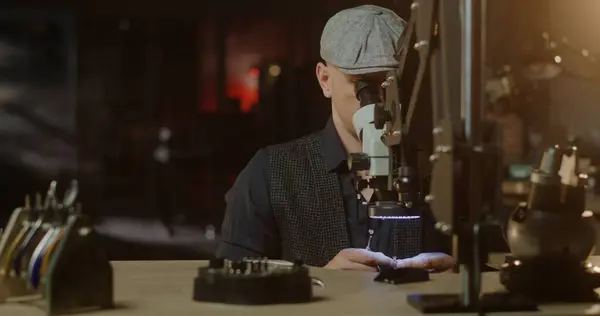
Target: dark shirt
{"x":249,"y":228}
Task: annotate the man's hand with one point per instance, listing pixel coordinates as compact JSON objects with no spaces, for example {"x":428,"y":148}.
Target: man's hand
{"x":359,"y":259}
{"x":433,"y":261}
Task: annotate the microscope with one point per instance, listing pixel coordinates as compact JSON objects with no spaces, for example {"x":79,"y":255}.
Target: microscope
{"x":550,"y":235}
{"x":387,"y":164}
{"x":384,"y":168}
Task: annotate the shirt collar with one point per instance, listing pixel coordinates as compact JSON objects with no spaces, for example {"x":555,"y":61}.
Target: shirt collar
{"x":333,"y":150}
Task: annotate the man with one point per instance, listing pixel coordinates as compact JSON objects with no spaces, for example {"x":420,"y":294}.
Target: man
{"x":297,"y":200}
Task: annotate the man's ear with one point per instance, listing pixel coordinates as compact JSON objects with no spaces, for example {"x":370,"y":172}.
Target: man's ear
{"x":324,"y":79}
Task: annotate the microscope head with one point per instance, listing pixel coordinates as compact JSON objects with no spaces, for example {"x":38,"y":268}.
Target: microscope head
{"x":554,"y":223}
{"x":395,"y":187}
{"x":557,"y":184}
{"x":368,"y":93}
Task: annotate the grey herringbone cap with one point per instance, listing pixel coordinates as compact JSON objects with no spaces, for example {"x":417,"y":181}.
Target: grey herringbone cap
{"x":362,"y":39}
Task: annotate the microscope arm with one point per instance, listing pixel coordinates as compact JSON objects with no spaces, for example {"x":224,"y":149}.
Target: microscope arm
{"x":433,"y":24}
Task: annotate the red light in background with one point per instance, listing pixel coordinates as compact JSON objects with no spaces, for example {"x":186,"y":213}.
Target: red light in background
{"x":245,"y":89}
{"x":254,"y":73}
{"x":248,"y":96}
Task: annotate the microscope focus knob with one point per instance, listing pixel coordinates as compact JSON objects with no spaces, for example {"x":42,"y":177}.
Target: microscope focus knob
{"x":359,"y":162}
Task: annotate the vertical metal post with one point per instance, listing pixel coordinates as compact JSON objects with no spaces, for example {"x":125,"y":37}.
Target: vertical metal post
{"x":471,"y":111}
{"x":466,"y":17}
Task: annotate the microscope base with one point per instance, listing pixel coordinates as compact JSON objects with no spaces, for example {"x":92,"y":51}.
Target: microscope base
{"x":452,"y":303}
{"x":402,"y":275}
{"x":551,"y":279}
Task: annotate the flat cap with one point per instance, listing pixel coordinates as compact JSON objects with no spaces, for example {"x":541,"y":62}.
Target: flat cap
{"x":362,"y":39}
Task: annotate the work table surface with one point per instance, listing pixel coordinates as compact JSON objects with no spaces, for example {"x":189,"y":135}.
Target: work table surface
{"x":165,"y":288}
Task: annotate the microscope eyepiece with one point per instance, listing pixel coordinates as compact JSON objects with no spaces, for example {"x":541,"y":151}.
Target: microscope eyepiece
{"x":367,"y":93}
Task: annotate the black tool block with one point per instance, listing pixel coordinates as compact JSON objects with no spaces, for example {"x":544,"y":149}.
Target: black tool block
{"x":252,"y":282}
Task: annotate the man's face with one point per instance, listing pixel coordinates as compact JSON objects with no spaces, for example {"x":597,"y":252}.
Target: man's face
{"x":339,"y":87}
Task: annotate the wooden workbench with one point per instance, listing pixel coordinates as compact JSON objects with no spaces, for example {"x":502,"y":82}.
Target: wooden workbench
{"x":165,"y":288}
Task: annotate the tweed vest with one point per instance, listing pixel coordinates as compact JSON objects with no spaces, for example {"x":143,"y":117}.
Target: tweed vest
{"x":308,"y":205}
